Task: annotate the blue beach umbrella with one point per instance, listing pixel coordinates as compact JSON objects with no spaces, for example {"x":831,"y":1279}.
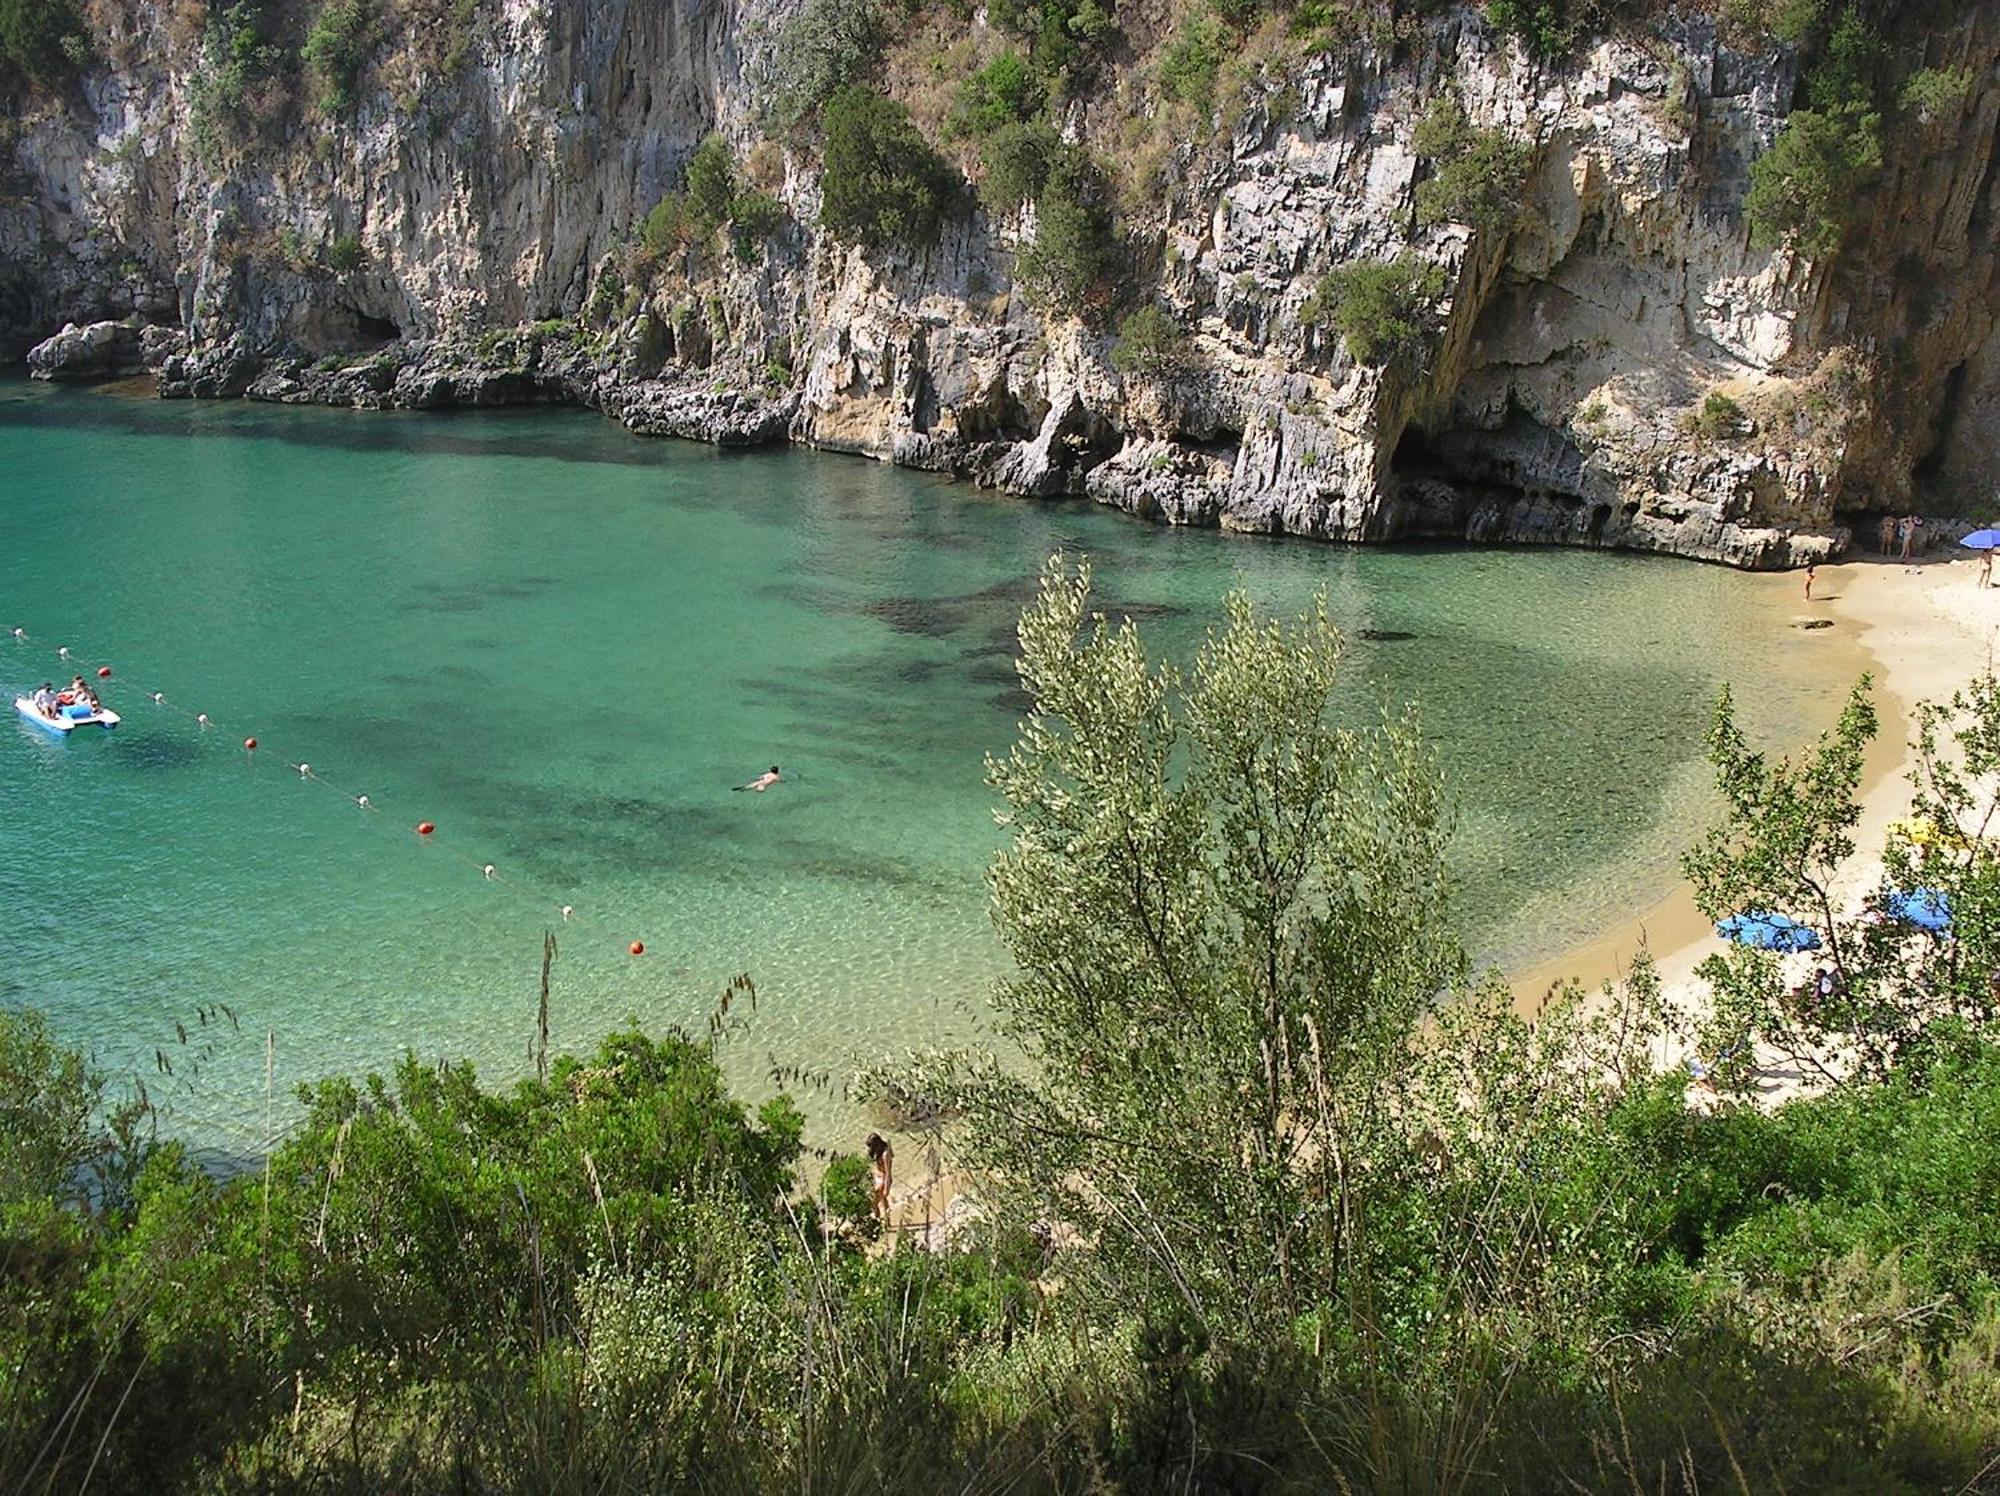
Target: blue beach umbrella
{"x":1768,"y":932}
{"x":1982,"y":540}
{"x":1926,"y":908}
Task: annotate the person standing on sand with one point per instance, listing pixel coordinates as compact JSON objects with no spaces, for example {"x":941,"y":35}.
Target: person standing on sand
{"x":1888,"y":535}
{"x":1809,"y":580}
{"x":882,"y":1164}
{"x":1903,"y":533}
{"x":1986,"y":567}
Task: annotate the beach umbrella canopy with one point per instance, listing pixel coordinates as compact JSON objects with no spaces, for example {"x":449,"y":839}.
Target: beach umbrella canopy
{"x":1766,"y":931}
{"x":1982,"y":540}
{"x":1926,"y":908}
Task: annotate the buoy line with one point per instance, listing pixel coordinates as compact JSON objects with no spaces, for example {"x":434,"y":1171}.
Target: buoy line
{"x":425,"y":831}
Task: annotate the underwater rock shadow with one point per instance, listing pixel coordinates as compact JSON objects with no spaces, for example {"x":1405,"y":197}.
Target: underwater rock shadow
{"x":153,"y":751}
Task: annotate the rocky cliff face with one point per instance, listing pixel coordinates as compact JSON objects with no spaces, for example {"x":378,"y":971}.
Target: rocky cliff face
{"x":454,"y":238}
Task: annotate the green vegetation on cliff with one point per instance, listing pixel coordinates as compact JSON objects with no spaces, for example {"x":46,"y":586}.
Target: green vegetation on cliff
{"x":1809,"y":187}
{"x":1007,"y":91}
{"x":884,"y":184}
{"x":1282,"y":1201}
{"x":42,"y":41}
{"x":1475,"y":174}
{"x":1380,"y":308}
{"x":1070,"y":264}
{"x":338,"y":47}
{"x":712,"y":198}
{"x":1151,"y":342}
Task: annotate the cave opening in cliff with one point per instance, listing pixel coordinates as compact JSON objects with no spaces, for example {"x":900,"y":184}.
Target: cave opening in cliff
{"x":1414,"y":456}
{"x":1521,"y":481}
{"x":1943,"y":417}
{"x":369,"y":329}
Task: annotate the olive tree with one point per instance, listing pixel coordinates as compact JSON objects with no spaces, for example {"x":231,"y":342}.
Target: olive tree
{"x":1229,"y":916}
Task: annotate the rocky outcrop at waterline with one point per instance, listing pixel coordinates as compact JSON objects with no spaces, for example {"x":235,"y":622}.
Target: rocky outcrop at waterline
{"x":1610,"y":362}
{"x":103,"y":350}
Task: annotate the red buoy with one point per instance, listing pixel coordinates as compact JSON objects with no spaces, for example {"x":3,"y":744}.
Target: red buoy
{"x":425,"y":828}
{"x":249,"y":745}
{"x":104,"y":672}
{"x":638,"y":947}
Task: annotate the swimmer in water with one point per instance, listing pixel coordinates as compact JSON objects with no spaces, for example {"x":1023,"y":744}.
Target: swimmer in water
{"x":763,"y":781}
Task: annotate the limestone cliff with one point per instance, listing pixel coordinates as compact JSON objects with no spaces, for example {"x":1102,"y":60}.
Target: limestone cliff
{"x":1610,"y":363}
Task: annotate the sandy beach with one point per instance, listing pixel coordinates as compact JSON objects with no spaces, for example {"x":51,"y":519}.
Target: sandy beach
{"x":1922,"y":632}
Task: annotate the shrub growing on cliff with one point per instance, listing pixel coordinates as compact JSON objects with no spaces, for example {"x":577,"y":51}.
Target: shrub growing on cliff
{"x":1718,"y":417}
{"x":1189,"y":65}
{"x":1015,"y":163}
{"x":883,"y":183}
{"x":1808,"y":189}
{"x":1475,"y":175}
{"x":1150,"y":342}
{"x":346,"y":253}
{"x":755,"y":218}
{"x":711,"y":184}
{"x":1004,"y":92}
{"x":1071,"y":263}
{"x":1380,"y":308}
{"x":338,"y":47}
{"x":1808,"y":186}
{"x":826,"y":46}
{"x":1064,"y":37}
{"x":668,"y":226}
{"x":238,"y":60}
{"x":41,"y":40}
{"x":1933,"y":94}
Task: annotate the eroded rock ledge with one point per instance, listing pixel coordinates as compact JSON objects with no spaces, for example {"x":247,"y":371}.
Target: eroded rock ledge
{"x":1069,"y":450}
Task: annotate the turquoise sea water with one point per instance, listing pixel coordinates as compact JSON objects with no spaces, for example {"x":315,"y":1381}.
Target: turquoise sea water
{"x":562,"y":644}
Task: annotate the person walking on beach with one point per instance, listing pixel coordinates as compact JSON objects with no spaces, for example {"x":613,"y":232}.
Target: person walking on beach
{"x":1809,"y":580}
{"x":1903,"y":534}
{"x":882,"y":1164}
{"x":762,"y":782}
{"x":1986,"y":567}
{"x":1888,"y":536}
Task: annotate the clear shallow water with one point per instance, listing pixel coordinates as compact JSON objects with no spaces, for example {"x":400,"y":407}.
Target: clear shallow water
{"x":562,"y":644}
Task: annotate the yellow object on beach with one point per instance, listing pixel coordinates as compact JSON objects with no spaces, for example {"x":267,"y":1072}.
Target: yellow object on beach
{"x":1922,"y":831}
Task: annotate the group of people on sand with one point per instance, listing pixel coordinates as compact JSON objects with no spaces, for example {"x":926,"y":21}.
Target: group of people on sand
{"x":49,"y":701}
{"x":1900,"y":534}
